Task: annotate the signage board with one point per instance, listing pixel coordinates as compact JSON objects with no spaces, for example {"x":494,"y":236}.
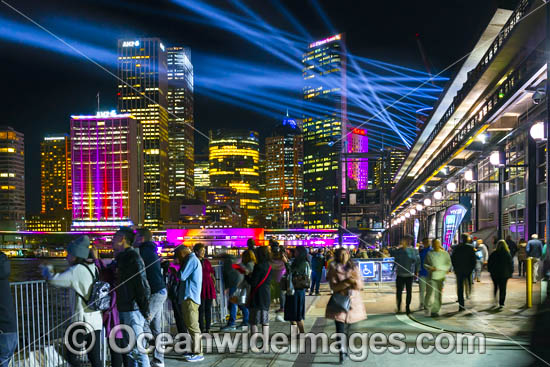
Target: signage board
{"x":451,"y":221}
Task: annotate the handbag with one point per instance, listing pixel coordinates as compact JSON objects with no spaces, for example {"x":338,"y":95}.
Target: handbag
{"x":339,"y":303}
{"x":240,"y":296}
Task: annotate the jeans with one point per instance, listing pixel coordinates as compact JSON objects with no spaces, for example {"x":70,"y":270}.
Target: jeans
{"x":478,"y":268}
{"x":461,"y":280}
{"x":136,"y":321}
{"x":205,"y":315}
{"x":315,"y":281}
{"x":402,"y":282}
{"x":190,"y":311}
{"x":156,"y":306}
{"x":233,"y":310}
{"x":435,"y":288}
{"x":423,"y":282}
{"x":8,"y":344}
{"x":94,"y":355}
{"x":499,"y":284}
{"x":522,"y":267}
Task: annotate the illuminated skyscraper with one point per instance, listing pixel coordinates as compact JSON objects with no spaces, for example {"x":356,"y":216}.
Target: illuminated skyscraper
{"x":324,"y":94}
{"x":357,"y":168}
{"x":180,"y":123}
{"x":55,"y":176}
{"x":201,"y":176}
{"x":12,"y":179}
{"x":234,"y":158}
{"x":143,"y":69}
{"x":284,"y":176}
{"x":106,"y":171}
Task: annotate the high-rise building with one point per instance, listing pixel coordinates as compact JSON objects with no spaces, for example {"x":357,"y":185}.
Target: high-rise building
{"x":55,"y":176}
{"x":355,"y":166}
{"x":386,"y":167}
{"x":201,"y":175}
{"x":284,"y":176}
{"x":234,"y":162}
{"x":142,"y":92}
{"x":325,"y":119}
{"x":222,"y":207}
{"x":180,"y":123}
{"x":107,"y":175}
{"x":12,"y":179}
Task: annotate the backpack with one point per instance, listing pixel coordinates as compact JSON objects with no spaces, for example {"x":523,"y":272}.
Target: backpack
{"x":100,"y":297}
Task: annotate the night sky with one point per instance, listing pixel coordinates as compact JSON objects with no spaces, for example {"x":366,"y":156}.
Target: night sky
{"x":43,"y":86}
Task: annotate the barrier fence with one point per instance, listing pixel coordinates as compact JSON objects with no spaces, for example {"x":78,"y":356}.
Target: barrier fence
{"x":43,"y":312}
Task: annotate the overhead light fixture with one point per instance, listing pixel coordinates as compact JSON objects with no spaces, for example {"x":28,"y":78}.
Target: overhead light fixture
{"x":451,"y":187}
{"x":413,"y":211}
{"x":438,"y":195}
{"x":419,"y":207}
{"x":469,"y":175}
{"x":407,"y":215}
{"x":496,"y":158}
{"x":537,"y":131}
{"x":427,"y":202}
{"x":482,"y":138}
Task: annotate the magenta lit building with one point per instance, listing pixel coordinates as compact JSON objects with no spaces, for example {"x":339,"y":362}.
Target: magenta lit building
{"x":106,"y":171}
{"x":357,"y":168}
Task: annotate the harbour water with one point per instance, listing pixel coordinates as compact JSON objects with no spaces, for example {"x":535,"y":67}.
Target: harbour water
{"x":23,"y":269}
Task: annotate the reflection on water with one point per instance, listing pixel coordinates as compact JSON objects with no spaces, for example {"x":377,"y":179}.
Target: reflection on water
{"x":23,"y":269}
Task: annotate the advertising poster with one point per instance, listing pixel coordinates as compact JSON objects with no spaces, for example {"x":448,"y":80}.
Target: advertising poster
{"x":452,"y":219}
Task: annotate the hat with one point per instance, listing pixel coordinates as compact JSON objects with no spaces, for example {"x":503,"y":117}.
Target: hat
{"x":79,"y":247}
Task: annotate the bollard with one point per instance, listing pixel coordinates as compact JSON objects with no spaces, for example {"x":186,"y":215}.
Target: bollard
{"x":529,"y":282}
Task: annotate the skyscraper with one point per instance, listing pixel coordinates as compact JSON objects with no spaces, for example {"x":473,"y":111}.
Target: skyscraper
{"x":234,"y":158}
{"x":325,"y":119}
{"x":142,"y":93}
{"x":12,"y":179}
{"x":201,"y":175}
{"x":180,"y":123}
{"x":55,"y":176}
{"x":106,"y":171}
{"x":284,"y":176}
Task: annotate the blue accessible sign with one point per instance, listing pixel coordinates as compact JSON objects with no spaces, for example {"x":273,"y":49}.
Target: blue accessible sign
{"x":367,"y":269}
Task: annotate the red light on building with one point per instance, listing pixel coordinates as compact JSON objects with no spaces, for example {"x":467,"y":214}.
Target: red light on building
{"x":359,"y":131}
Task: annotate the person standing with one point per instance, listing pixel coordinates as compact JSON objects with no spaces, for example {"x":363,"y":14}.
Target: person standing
{"x":512,"y":246}
{"x":317,"y":264}
{"x":190,"y":298}
{"x":534,"y":250}
{"x":345,"y":278}
{"x":437,"y":263}
{"x":295,"y":304}
{"x":8,"y":327}
{"x":260,"y":291}
{"x":231,"y":280}
{"x":406,"y":266}
{"x":464,"y":261}
{"x":171,"y":276}
{"x":148,"y":252}
{"x":482,"y":255}
{"x":133,"y":290}
{"x":278,"y":265}
{"x":80,"y":277}
{"x":522,"y":257}
{"x":423,"y":275}
{"x":501,"y":267}
{"x":208,"y":291}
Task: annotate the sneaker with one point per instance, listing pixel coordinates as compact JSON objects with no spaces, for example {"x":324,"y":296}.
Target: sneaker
{"x":311,"y":293}
{"x":435,"y":314}
{"x":228,"y":328}
{"x":243,"y":326}
{"x":279,"y":318}
{"x":318,"y":293}
{"x":195,"y":358}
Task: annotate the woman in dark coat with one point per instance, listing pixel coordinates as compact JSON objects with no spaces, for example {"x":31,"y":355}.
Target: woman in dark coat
{"x":260,"y":290}
{"x":501,"y":267}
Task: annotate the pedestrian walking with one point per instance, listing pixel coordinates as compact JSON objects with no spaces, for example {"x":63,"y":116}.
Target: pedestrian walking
{"x":534,"y":250}
{"x":464,"y":261}
{"x":189,"y":294}
{"x":260,"y":291}
{"x":512,"y":246}
{"x":437,"y":263}
{"x":317,"y":264}
{"x":300,"y":275}
{"x":501,"y":268}
{"x":8,"y":327}
{"x":208,"y":291}
{"x":346,"y":283}
{"x":522,"y":257}
{"x":482,"y":256}
{"x":232,"y":278}
{"x":132,"y":289}
{"x":148,"y":252}
{"x":423,"y":275}
{"x":406,"y":266}
{"x":278,"y":266}
{"x":80,"y":277}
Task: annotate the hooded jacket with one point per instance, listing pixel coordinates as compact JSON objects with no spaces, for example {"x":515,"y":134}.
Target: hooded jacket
{"x":133,"y":290}
{"x":464,"y":259}
{"x":148,"y":252}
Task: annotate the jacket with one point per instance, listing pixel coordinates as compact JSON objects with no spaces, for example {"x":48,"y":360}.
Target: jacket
{"x":441,"y":261}
{"x":407,"y":262}
{"x":133,"y":290}
{"x":80,"y":281}
{"x":231,"y":277}
{"x":500,"y":264}
{"x":534,"y":248}
{"x":260,"y":298}
{"x":336,"y":274}
{"x":7,"y":311}
{"x":190,"y":280}
{"x":464,"y":259}
{"x":423,"y":253}
{"x":317,"y":263}
{"x":522,"y":251}
{"x":208,"y":287}
{"x":148,"y":252}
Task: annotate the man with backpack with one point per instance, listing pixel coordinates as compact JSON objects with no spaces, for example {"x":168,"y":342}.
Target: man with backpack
{"x":148,"y":252}
{"x":133,"y":290}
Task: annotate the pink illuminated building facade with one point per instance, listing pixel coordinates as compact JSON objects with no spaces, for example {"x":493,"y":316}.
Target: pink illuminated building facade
{"x":357,"y":168}
{"x":106,"y":171}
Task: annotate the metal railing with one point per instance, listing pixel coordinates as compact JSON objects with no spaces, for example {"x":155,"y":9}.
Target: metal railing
{"x":43,"y":313}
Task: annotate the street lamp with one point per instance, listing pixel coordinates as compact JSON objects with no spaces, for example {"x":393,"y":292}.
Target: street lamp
{"x":438,"y":195}
{"x":419,"y":207}
{"x":427,"y":202}
{"x":451,"y":186}
{"x":407,"y":215}
{"x":413,"y":211}
{"x":537,"y":131}
{"x":469,"y":175}
{"x":496,"y":158}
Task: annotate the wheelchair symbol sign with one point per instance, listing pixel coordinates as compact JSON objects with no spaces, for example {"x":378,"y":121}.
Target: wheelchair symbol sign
{"x":367,"y":269}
